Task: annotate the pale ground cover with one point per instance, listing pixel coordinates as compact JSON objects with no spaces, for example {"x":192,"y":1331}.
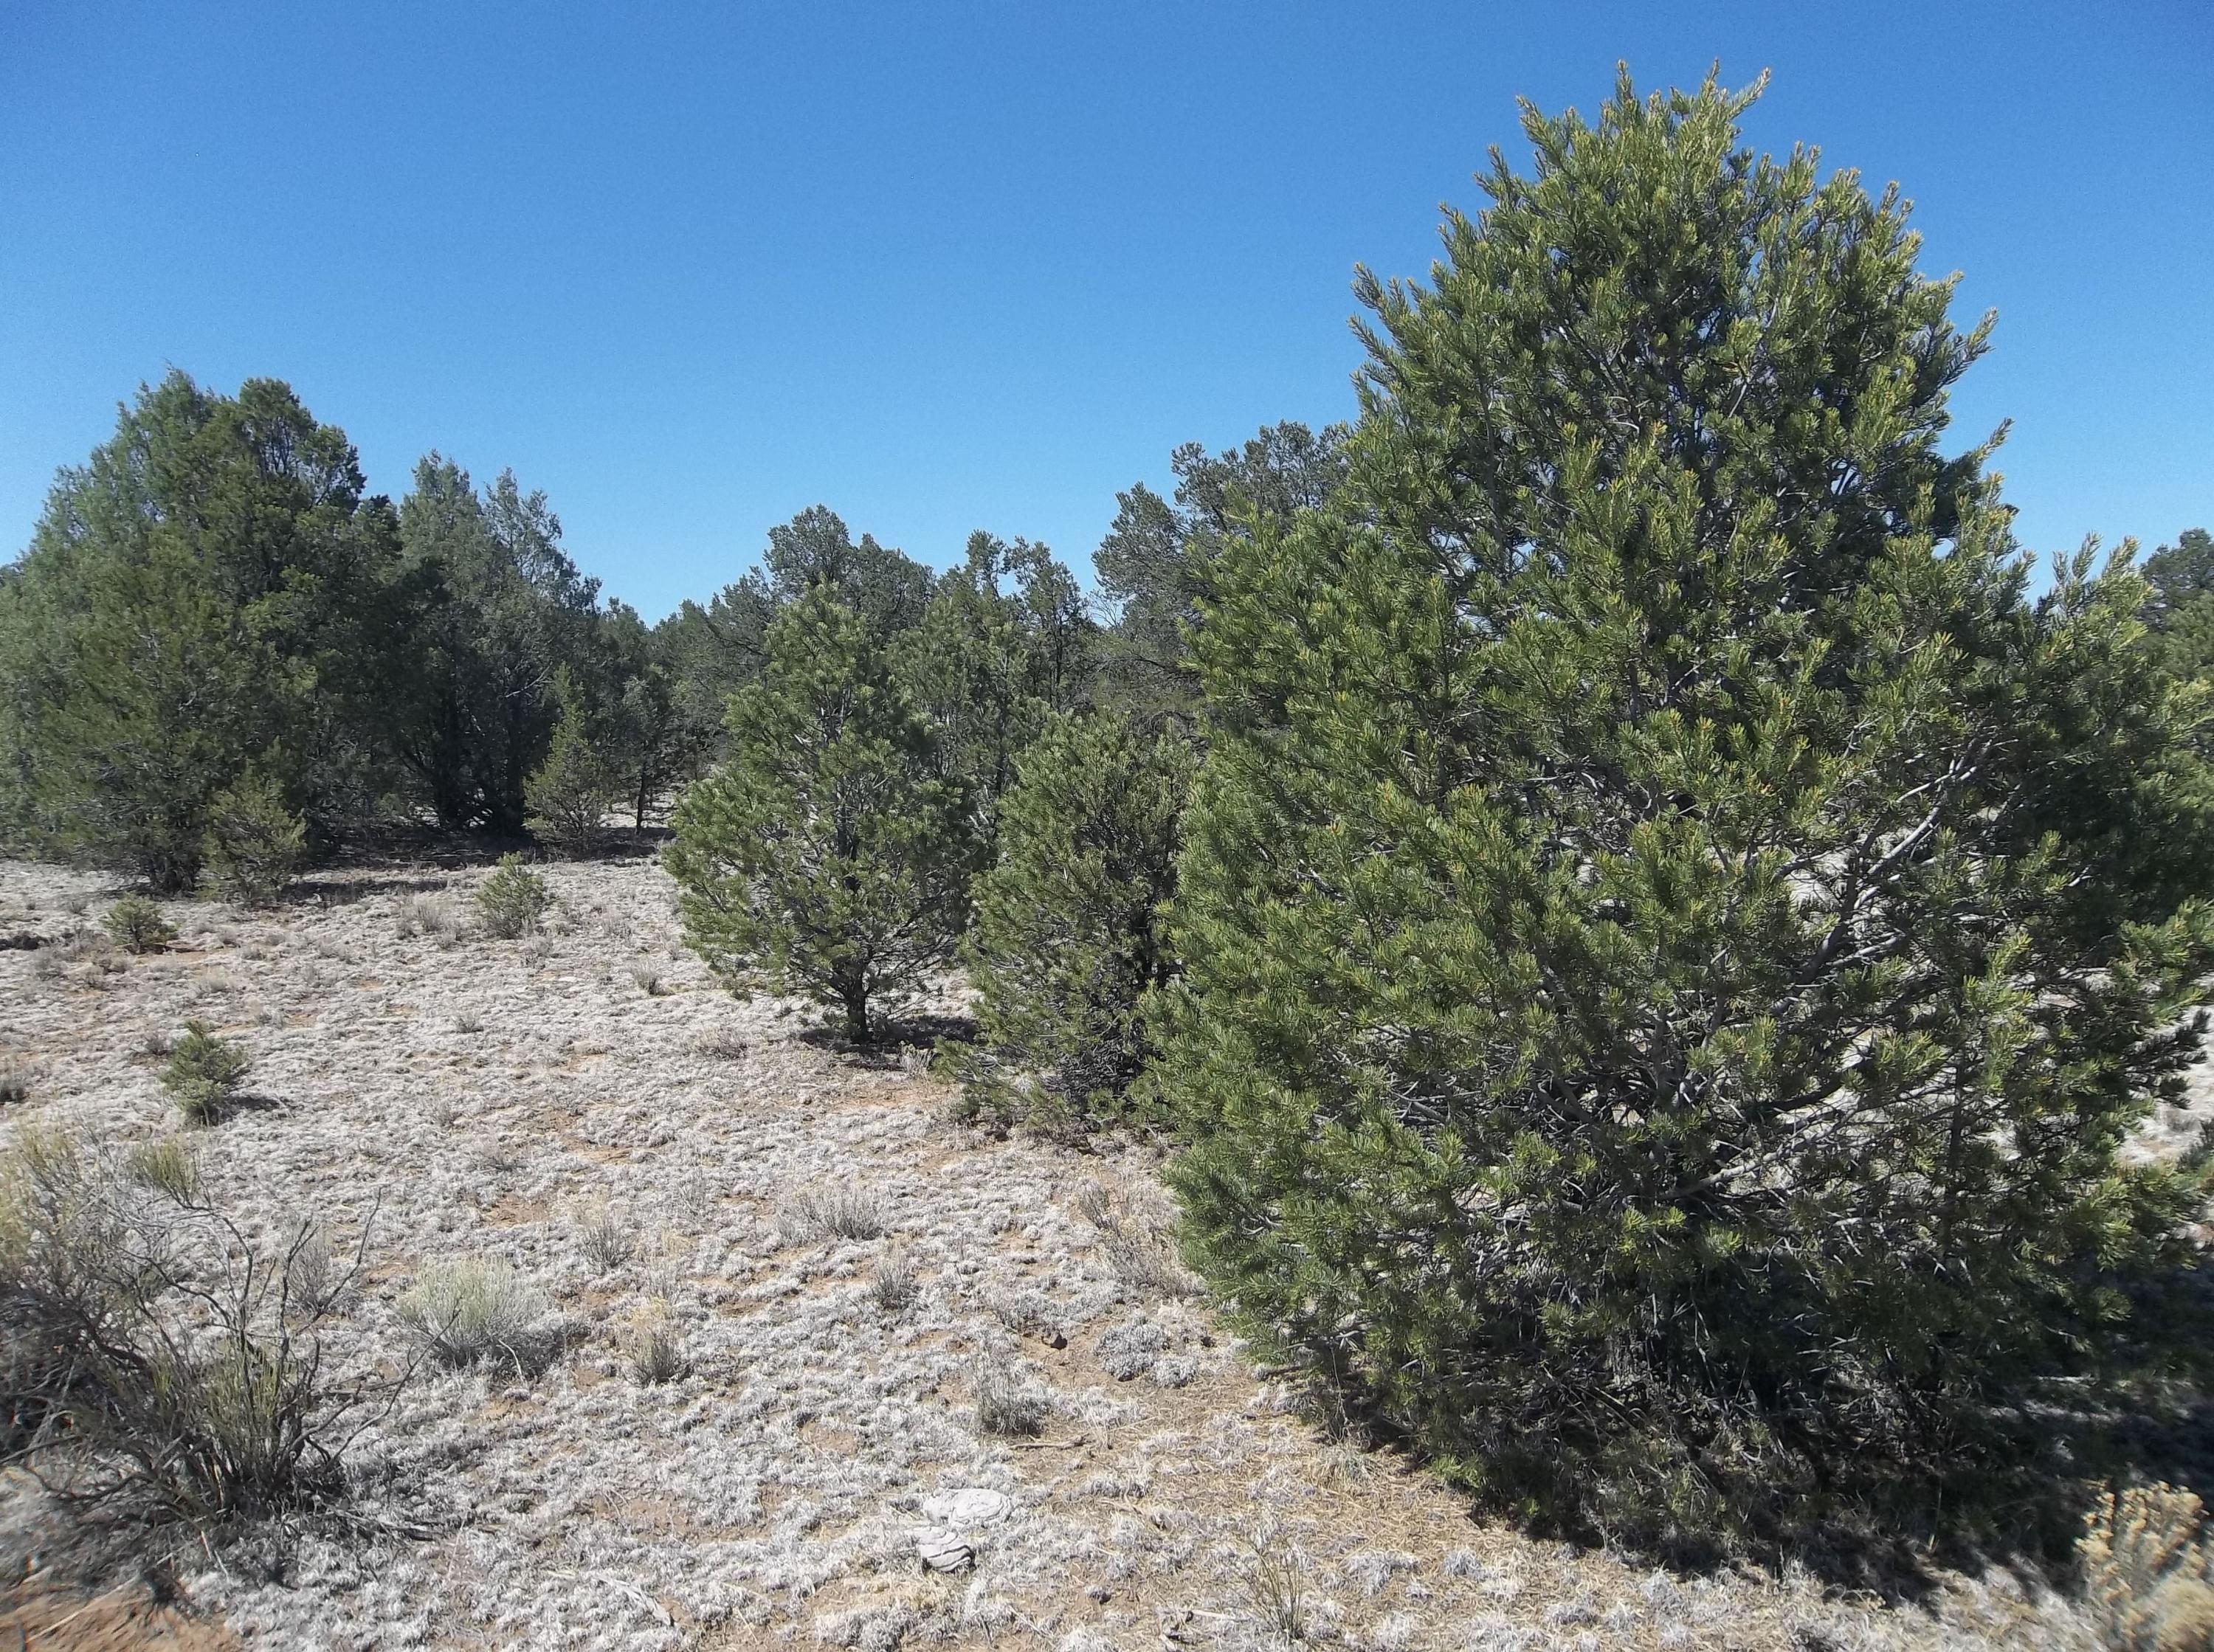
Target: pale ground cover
{"x":587,"y":1108}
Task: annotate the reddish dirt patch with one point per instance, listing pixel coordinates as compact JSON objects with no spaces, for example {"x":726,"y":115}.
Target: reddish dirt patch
{"x":33,"y":1618}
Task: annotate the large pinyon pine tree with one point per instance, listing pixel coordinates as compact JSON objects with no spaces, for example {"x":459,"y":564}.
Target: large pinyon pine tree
{"x":1672,"y":958}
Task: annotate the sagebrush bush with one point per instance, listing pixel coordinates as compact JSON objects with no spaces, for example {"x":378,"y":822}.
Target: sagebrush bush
{"x":204,"y":1072}
{"x":1006,"y":1406}
{"x":832,"y":1212}
{"x":155,"y":1360}
{"x":1675,"y":934}
{"x":472,"y":1310}
{"x":514,"y":900}
{"x":1070,"y":938}
{"x":2148,"y":1562}
{"x":254,"y":844}
{"x":167,"y":1164}
{"x":138,"y":924}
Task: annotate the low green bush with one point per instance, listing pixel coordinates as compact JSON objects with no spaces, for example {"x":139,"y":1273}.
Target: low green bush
{"x":514,"y":900}
{"x":138,"y":924}
{"x":204,"y":1072}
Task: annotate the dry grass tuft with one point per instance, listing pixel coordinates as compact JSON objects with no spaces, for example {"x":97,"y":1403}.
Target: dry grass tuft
{"x":1275,"y":1577}
{"x":2149,"y":1569}
{"x":653,"y":1347}
{"x":168,"y":1165}
{"x":607,"y":1243}
{"x":470,"y":1311}
{"x":1007,"y":1407}
{"x":893,"y":1286}
{"x":835,"y":1212}
{"x":426,"y":916}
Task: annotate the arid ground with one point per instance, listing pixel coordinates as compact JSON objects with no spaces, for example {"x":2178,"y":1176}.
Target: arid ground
{"x":654,"y":1158}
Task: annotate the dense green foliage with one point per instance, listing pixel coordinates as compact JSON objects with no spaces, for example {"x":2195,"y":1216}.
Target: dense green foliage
{"x":253,"y":845}
{"x":1671,"y":952}
{"x":203,"y":595}
{"x":513,"y":901}
{"x":204,"y":1072}
{"x":1153,"y":564}
{"x":1070,"y":939}
{"x":828,"y":856}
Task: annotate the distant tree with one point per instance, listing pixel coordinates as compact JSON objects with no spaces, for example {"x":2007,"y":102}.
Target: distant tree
{"x":211,"y":591}
{"x":1071,"y":932}
{"x":1672,"y":955}
{"x":716,"y":649}
{"x":826,"y":857}
{"x":569,"y":794}
{"x":648,"y":743}
{"x":499,"y":611}
{"x":1153,"y":564}
{"x":1003,"y":644}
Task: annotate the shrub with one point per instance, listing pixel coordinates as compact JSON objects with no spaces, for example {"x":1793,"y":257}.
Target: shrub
{"x":831,"y":1213}
{"x":253,"y":845}
{"x":427,"y":915}
{"x":1674,"y":934}
{"x":1005,"y":1405}
{"x":474,"y":1310}
{"x":168,"y":1165}
{"x":2148,"y":1564}
{"x":1070,"y":938}
{"x":15,"y":1083}
{"x":204,"y":1072}
{"x":654,"y":1347}
{"x":138,"y":924}
{"x":514,"y":900}
{"x":828,"y":857}
{"x":606,"y":1242}
{"x":570,"y":793}
{"x":155,"y":1361}
{"x":892,"y":1283}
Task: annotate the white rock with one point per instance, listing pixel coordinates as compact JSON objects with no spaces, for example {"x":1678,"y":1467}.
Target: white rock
{"x":969,"y":1505}
{"x":943,"y":1552}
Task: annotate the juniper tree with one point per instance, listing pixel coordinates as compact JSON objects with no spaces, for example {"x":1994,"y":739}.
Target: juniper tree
{"x":1671,"y":958}
{"x":211,"y":591}
{"x":826,"y":858}
{"x":1070,"y":938}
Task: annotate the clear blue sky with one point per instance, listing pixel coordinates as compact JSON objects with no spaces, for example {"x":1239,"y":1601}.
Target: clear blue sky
{"x":948,"y":266}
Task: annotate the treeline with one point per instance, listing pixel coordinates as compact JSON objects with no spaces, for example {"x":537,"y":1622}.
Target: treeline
{"x":217,"y":632}
{"x":1650,"y":934}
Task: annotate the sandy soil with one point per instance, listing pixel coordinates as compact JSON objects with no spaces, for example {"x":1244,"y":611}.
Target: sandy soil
{"x":554,"y":1101}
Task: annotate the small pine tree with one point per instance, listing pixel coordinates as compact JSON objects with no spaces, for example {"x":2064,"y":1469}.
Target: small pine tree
{"x":1674,"y":933}
{"x":825,"y":857}
{"x":138,"y":924}
{"x":514,"y":900}
{"x":1070,"y":939}
{"x":253,"y":844}
{"x":570,"y":794}
{"x":205,"y":1072}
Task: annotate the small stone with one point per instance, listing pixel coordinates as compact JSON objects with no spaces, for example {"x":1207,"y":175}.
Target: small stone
{"x":945,"y":1551}
{"x":966,"y":1506}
